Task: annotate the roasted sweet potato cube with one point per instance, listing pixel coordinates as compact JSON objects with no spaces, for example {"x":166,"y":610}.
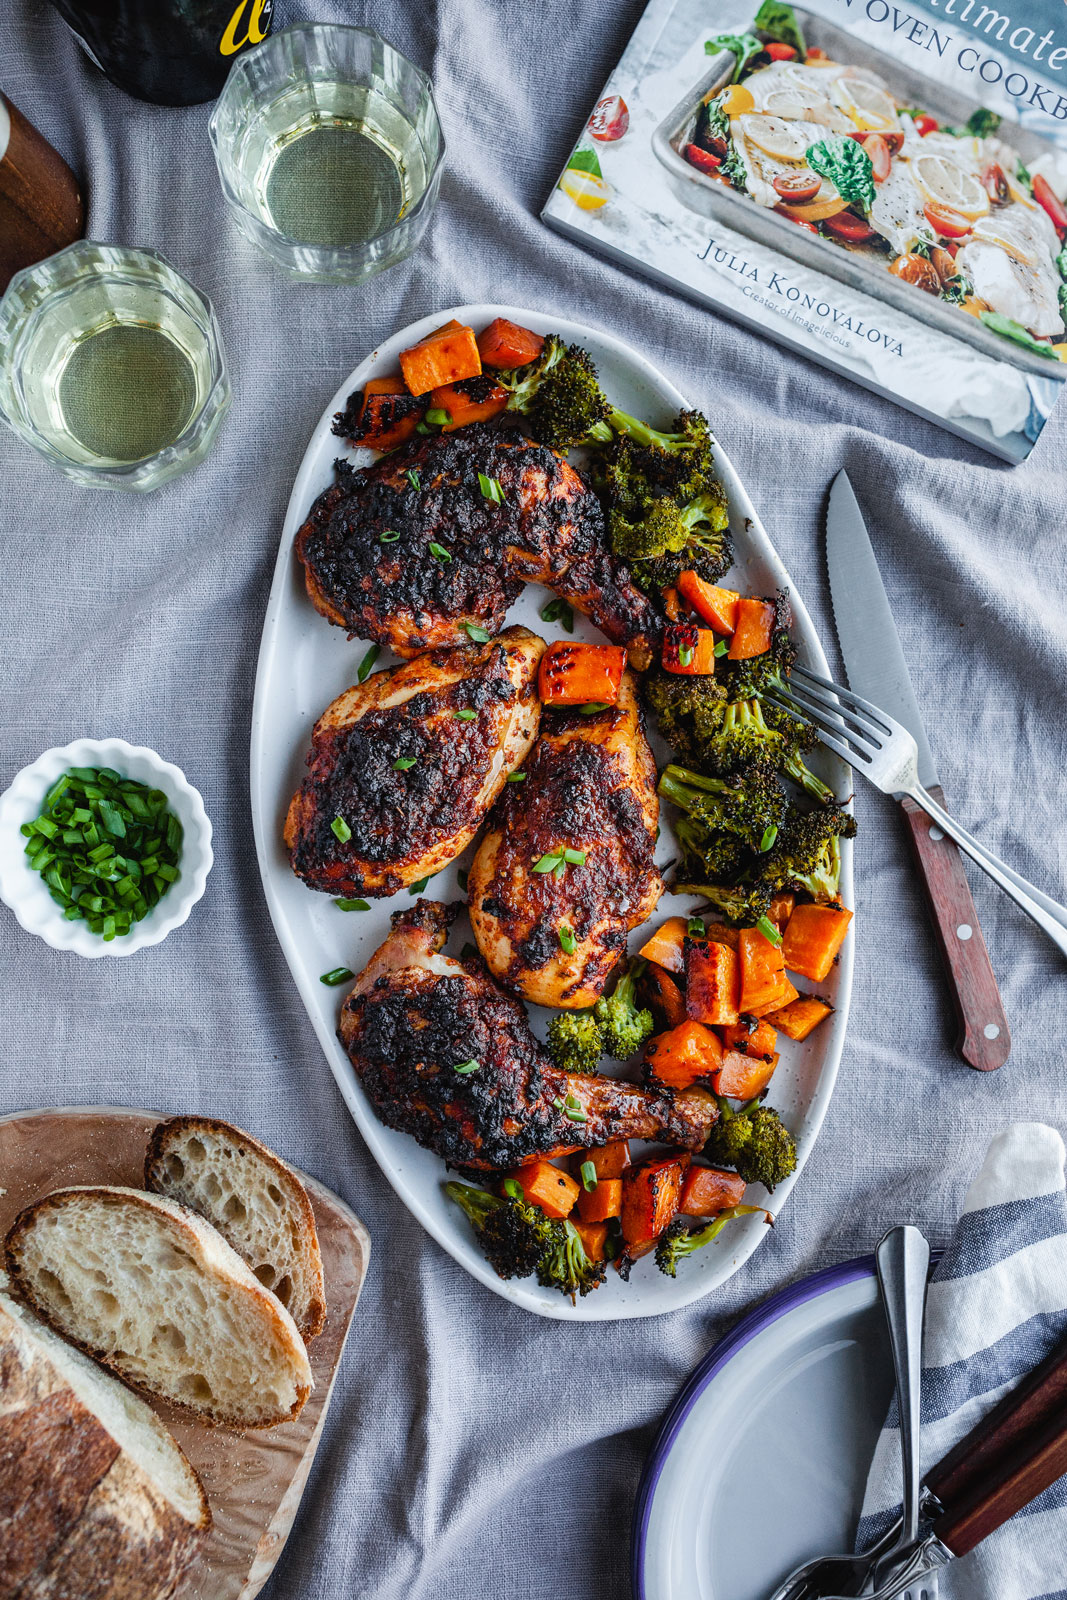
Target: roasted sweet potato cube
{"x":712,"y":982}
{"x":650,"y":1196}
{"x":743,"y":1077}
{"x":759,"y":1039}
{"x":813,"y":936}
{"x":609,"y":1160}
{"x":597,"y":1205}
{"x":801,"y":1015}
{"x":665,"y":945}
{"x":658,"y":991}
{"x":708,"y":1190}
{"x":594,"y":1237}
{"x":684,"y":1055}
{"x":549,"y":1187}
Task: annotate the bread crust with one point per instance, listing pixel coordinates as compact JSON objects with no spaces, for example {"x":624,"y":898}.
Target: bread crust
{"x":168,"y":1133}
{"x":200,"y":1236}
{"x":79,"y":1518}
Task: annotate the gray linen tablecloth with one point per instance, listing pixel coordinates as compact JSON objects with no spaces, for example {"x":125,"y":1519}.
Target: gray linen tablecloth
{"x":472,"y":1449}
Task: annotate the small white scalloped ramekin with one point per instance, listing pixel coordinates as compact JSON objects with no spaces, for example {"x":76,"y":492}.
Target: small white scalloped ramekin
{"x":26,"y":892}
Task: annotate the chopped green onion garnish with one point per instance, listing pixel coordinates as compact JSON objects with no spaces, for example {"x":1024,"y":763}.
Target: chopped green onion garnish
{"x":413,"y":478}
{"x":462,"y":878}
{"x":403,"y":763}
{"x":417,"y":888}
{"x":769,"y":931}
{"x":567,"y":940}
{"x":438,"y":416}
{"x":558,"y":1103}
{"x":576,"y":857}
{"x":390,"y":536}
{"x":722,"y":648}
{"x":770,"y":834}
{"x":491,"y":489}
{"x":593,"y":707}
{"x":559,"y":869}
{"x":335,"y":976}
{"x":573,"y":1109}
{"x":439,"y":551}
{"x":466,"y":1067}
{"x":423,"y":428}
{"x":516,"y":777}
{"x":548,"y":863}
{"x":465,"y":716}
{"x":352,"y":905}
{"x":513,"y":1189}
{"x":558,"y":611}
{"x":696,"y":928}
{"x":479,"y":635}
{"x":340,"y":828}
{"x":363,"y":670}
{"x":589,"y":1177}
{"x":685,"y":654}
{"x":87,"y":875}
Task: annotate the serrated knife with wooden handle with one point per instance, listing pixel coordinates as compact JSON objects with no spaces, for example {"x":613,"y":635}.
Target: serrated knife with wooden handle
{"x":876,"y":668}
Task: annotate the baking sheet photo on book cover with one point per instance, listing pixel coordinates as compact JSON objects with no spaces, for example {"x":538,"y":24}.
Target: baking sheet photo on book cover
{"x":881,"y":187}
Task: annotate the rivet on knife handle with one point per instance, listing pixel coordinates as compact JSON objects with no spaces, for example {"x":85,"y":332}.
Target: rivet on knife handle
{"x":984,"y":1038}
{"x":1012,"y":1483}
{"x":1040,"y":1395}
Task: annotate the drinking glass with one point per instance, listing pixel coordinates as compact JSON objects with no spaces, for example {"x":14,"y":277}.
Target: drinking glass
{"x":112,"y":365}
{"x":329,"y":150}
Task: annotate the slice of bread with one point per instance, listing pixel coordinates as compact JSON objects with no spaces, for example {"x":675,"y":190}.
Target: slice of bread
{"x":152,"y":1290}
{"x":96,"y":1498}
{"x":258,"y":1205}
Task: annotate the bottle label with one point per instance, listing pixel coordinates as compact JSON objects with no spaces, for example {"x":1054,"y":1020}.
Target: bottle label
{"x":250,"y":24}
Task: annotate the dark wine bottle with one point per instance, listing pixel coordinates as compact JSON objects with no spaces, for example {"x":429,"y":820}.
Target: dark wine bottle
{"x":174,"y":52}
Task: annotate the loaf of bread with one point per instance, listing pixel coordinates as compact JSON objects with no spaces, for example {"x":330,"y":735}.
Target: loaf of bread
{"x":254,"y":1200}
{"x":96,"y":1498}
{"x":151,"y":1289}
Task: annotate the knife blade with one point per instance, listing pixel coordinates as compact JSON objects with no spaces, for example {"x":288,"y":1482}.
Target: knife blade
{"x":876,"y":667}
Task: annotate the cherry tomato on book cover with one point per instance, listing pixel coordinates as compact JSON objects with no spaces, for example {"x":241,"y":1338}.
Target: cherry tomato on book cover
{"x":796,"y":187}
{"x":925,"y":125}
{"x":995,"y":183}
{"x":610,"y":119}
{"x":915,"y":269}
{"x":948,"y":223}
{"x":780,"y":52}
{"x":703,"y":160}
{"x":1050,"y":202}
{"x":877,"y":148}
{"x":850,"y":228}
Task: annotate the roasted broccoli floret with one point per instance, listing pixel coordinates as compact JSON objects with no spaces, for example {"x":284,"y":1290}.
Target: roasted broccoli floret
{"x":667,"y":510}
{"x":807,"y":852}
{"x":755,"y":1143}
{"x":679,"y":1240}
{"x":566,"y":1266}
{"x":688,"y":711}
{"x":670,"y":460}
{"x":746,"y":736}
{"x":575,"y":1041}
{"x":513,"y":1234}
{"x":751,"y":806}
{"x":743,"y":904}
{"x":624,"y":1025}
{"x":560,"y":395}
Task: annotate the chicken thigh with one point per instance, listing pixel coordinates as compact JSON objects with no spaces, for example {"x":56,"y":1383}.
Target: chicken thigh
{"x":554,"y":937}
{"x":444,"y":1056}
{"x":417,"y":547}
{"x":404,"y":767}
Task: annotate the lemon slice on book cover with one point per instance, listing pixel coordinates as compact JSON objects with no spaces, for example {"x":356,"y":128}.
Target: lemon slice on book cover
{"x":587,"y":191}
{"x":774,"y":136}
{"x":869,"y":106}
{"x":946,"y":183}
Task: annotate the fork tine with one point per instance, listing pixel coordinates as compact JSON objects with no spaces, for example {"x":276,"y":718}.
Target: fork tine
{"x":848,"y":697}
{"x":851,"y":755}
{"x":814,"y":701}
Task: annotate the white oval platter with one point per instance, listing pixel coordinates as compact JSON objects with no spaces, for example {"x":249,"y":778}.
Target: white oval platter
{"x":304,"y":663}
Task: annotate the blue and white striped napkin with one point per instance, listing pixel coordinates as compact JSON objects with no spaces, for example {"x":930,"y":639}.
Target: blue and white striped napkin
{"x":997,"y":1306}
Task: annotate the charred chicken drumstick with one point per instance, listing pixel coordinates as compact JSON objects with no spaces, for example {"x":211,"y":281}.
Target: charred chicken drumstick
{"x":416,"y":547}
{"x":404,"y":767}
{"x":555,"y":937}
{"x":444,"y":1056}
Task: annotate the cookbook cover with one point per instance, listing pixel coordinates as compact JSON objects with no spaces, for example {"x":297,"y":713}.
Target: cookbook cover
{"x":882,"y":187}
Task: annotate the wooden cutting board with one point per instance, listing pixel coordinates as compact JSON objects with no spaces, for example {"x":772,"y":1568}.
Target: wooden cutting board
{"x":253,"y":1480}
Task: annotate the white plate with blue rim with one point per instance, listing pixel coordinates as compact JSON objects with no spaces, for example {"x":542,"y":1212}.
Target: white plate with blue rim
{"x":304,"y":663}
{"x":762,"y":1461}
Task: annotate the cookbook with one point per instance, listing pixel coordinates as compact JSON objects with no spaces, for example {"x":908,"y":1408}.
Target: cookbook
{"x":880,"y":187}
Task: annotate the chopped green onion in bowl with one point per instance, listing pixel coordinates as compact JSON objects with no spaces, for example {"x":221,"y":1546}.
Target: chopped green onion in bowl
{"x":108,"y":848}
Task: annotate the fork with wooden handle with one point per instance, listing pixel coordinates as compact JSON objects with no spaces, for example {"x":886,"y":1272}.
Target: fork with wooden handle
{"x":877,"y":746}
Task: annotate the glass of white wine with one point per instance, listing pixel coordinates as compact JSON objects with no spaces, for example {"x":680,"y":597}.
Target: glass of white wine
{"x":329,"y":150}
{"x":112,"y":365}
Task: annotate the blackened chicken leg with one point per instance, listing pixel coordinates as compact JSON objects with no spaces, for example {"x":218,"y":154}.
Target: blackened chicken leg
{"x":444,"y":1056}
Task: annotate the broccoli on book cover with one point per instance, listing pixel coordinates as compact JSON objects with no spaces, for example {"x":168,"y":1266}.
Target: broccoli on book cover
{"x":882,"y":187}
